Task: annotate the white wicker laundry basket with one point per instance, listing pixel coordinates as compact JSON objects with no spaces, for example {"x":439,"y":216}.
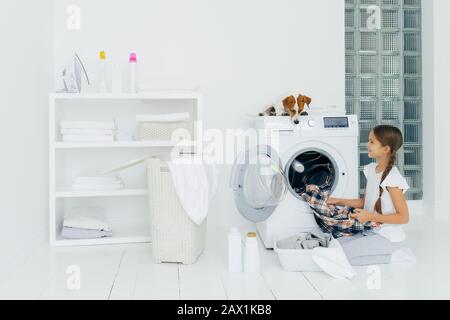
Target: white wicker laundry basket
{"x":151,"y":131}
{"x":175,"y":238}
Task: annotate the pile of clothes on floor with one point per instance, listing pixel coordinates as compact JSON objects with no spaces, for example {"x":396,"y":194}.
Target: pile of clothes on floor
{"x":86,"y":223}
{"x":98,"y":183}
{"x":306,"y":241}
{"x":88,"y":131}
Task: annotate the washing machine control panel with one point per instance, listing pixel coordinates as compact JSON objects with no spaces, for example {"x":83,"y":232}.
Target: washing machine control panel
{"x":311,"y":123}
{"x":336,"y":122}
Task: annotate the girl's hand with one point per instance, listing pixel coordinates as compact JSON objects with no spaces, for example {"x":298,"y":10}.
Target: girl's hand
{"x":362,"y":216}
{"x":332,"y":201}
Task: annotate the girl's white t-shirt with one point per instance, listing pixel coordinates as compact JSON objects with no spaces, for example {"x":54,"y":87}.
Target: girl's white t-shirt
{"x":392,"y":232}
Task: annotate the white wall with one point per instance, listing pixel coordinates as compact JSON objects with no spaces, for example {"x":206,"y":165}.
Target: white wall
{"x":25,"y":81}
{"x":428,"y":102}
{"x":436,"y":110}
{"x":242,"y":55}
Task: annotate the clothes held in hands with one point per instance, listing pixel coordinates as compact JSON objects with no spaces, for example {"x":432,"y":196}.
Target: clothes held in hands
{"x":333,"y":219}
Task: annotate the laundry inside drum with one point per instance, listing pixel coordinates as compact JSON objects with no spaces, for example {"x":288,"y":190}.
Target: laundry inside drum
{"x":317,"y":169}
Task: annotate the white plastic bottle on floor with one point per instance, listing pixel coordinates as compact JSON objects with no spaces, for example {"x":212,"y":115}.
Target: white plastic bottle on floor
{"x":133,"y":73}
{"x":234,"y":250}
{"x":251,"y":254}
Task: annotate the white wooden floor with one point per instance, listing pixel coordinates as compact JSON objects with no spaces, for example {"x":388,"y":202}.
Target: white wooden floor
{"x":127,"y":272}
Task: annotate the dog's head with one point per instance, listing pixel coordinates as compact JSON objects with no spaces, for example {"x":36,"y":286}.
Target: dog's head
{"x":301,"y":101}
{"x":289,"y":107}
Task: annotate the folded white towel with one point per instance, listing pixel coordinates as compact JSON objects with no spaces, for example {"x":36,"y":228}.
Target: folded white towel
{"x":87,"y":125}
{"x":171,"y":117}
{"x":76,"y":233}
{"x":92,"y":218}
{"x":87,"y":132}
{"x":81,"y":138}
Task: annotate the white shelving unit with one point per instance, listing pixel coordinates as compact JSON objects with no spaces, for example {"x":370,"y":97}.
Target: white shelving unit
{"x":126,"y":209}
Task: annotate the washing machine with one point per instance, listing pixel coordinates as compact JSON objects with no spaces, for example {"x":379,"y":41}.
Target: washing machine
{"x":268,"y":178}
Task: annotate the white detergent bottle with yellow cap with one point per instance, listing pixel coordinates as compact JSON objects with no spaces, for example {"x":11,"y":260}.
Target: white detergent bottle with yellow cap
{"x":251,"y":254}
{"x":103,"y":84}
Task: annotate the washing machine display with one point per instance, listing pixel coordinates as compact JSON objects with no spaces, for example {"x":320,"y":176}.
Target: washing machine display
{"x":311,"y":167}
{"x":336,"y":122}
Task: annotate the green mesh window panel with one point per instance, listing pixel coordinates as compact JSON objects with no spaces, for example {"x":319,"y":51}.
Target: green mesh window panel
{"x":384,"y":78}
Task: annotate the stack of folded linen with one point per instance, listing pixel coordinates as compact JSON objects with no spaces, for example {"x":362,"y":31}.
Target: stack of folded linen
{"x":82,"y":131}
{"x":86,"y":223}
{"x":96,"y":183}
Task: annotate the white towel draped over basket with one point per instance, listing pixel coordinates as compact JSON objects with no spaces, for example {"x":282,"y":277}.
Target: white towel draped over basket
{"x":195,"y":184}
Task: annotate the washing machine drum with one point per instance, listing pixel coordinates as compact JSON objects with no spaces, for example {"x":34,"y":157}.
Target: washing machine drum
{"x":259,"y":183}
{"x":311,"y":167}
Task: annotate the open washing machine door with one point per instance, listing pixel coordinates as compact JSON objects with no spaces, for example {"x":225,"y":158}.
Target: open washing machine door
{"x":259,"y":183}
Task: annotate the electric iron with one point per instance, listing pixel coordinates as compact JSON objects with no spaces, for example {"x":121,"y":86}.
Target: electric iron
{"x":74,"y":76}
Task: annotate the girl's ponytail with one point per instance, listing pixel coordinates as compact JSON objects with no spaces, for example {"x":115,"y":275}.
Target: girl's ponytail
{"x":392,"y":137}
{"x":386,"y":172}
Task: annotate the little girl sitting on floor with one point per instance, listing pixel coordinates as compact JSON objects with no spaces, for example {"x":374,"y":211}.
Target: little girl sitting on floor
{"x":384,"y":200}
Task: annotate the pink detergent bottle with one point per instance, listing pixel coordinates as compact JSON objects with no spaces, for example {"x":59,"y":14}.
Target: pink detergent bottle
{"x":133,"y":67}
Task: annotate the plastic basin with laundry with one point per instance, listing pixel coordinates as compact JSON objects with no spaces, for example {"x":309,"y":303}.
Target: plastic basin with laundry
{"x":297,"y":260}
